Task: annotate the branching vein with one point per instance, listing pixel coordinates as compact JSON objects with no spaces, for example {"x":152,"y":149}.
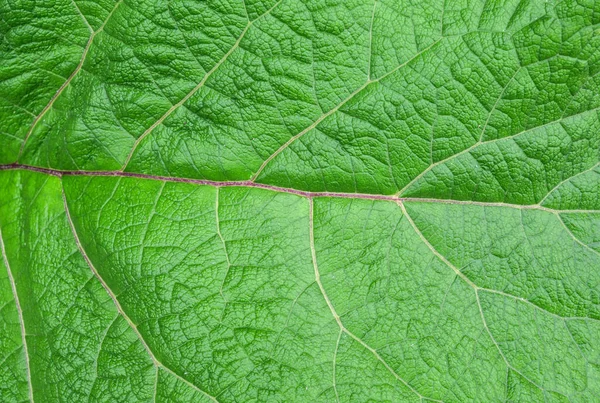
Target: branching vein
{"x":475,"y":287}
{"x":13,"y":287}
{"x":118,"y":306}
{"x":335,"y":109}
{"x":481,"y":142}
{"x":303,"y":193}
{"x":196,"y":88}
{"x":71,"y":77}
{"x":333,"y":311}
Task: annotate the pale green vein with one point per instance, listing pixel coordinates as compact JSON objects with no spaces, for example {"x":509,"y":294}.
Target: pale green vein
{"x":196,"y":88}
{"x":13,"y":287}
{"x":82,"y":16}
{"x":155,"y":384}
{"x":583,"y":356}
{"x":149,"y":220}
{"x":102,"y":339}
{"x":118,"y":306}
{"x":487,"y":121}
{"x":337,"y":346}
{"x":433,"y":250}
{"x":489,"y":332}
{"x":486,"y":204}
{"x":536,"y":306}
{"x":224,"y":248}
{"x":371,"y":40}
{"x":68,"y":81}
{"x":335,"y":314}
{"x":335,"y":109}
{"x":246,"y":9}
{"x":568,"y":179}
{"x":573,"y":235}
{"x":475,"y":287}
{"x":479,"y":143}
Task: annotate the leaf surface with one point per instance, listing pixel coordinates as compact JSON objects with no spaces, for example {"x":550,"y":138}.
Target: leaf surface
{"x":336,"y":201}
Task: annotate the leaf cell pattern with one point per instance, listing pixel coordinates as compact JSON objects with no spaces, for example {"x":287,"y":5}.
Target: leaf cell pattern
{"x":286,"y":200}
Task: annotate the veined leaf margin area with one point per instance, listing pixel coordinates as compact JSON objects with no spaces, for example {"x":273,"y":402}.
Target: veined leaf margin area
{"x":311,"y":197}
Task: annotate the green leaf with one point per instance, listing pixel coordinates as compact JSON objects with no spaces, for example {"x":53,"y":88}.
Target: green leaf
{"x":312,"y":201}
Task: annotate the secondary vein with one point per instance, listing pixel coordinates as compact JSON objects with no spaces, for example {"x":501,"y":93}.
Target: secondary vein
{"x":335,"y":109}
{"x":475,"y":287}
{"x":333,"y":311}
{"x":13,"y":287}
{"x":155,"y":361}
{"x":68,"y":81}
{"x":196,"y":88}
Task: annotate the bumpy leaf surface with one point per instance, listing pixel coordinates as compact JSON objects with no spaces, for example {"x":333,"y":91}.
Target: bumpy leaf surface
{"x":300,"y":200}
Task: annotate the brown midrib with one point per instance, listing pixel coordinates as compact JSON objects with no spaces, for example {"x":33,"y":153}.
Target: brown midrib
{"x":251,"y":184}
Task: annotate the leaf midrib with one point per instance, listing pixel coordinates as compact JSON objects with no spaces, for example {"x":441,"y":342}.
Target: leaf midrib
{"x":310,"y":196}
{"x":297,"y":192}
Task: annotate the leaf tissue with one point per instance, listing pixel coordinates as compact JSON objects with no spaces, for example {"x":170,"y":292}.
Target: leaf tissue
{"x":299,"y":201}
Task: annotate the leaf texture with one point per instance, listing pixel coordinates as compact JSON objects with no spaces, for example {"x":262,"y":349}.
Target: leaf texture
{"x":317,"y":200}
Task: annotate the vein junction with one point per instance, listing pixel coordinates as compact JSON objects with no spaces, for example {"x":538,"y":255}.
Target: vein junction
{"x":251,"y":184}
{"x":317,"y":275}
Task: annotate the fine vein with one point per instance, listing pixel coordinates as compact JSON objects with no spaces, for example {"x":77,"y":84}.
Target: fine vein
{"x":491,"y":336}
{"x":337,"y":346}
{"x":480,"y":142}
{"x":155,"y":384}
{"x":568,"y":230}
{"x":155,"y":361}
{"x":224,"y":245}
{"x":433,"y":250}
{"x":335,"y":109}
{"x":371,"y":40}
{"x":68,"y":81}
{"x":333,"y":311}
{"x":13,"y":287}
{"x":196,"y":88}
{"x":536,"y":306}
{"x":475,"y":287}
{"x":568,"y":179}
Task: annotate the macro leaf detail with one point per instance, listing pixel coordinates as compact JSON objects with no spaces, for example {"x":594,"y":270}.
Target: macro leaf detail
{"x":300,"y":200}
